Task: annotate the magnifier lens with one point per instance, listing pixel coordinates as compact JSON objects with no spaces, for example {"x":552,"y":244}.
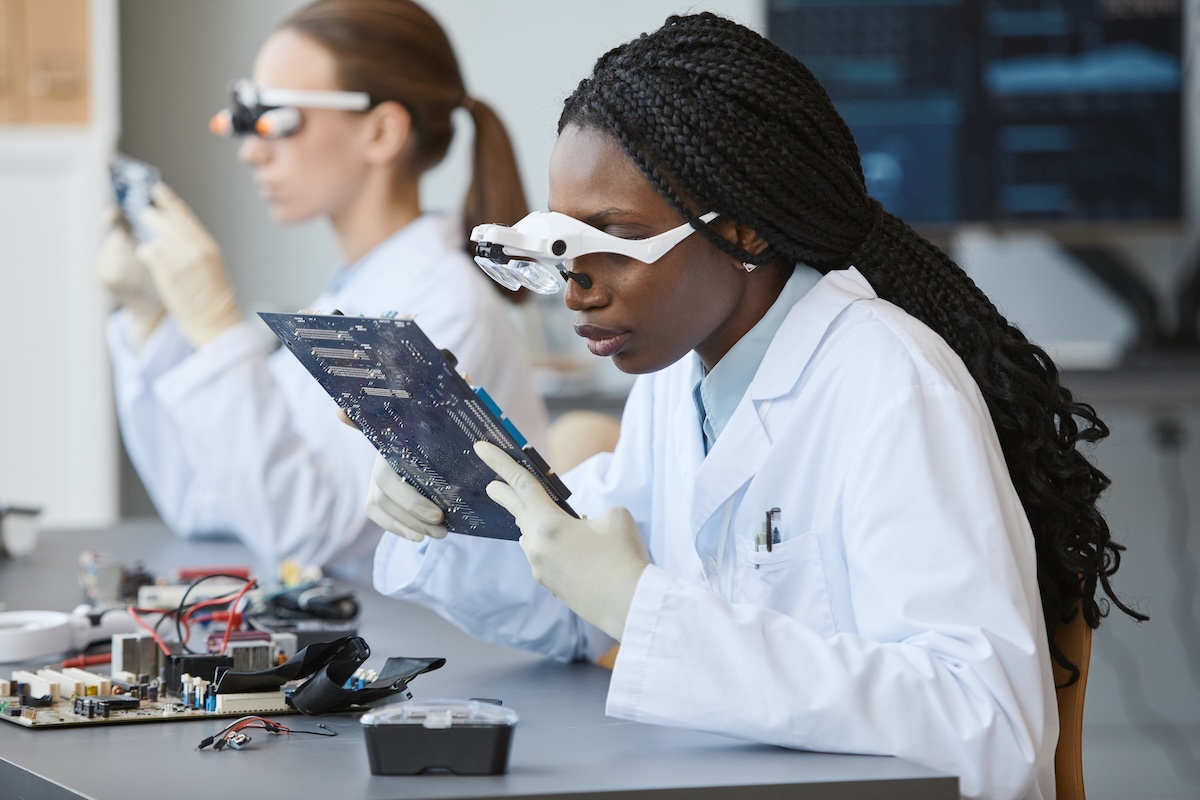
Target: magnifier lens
{"x":499,"y":273}
{"x":277,"y":123}
{"x":222,"y":123}
{"x":536,"y":276}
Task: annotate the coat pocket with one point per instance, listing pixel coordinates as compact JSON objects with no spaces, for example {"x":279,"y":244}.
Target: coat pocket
{"x":789,"y":578}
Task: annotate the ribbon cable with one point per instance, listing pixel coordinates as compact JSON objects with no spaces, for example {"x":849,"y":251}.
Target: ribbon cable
{"x":330,"y":665}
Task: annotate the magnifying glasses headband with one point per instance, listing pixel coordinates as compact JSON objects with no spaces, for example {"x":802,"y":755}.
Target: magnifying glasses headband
{"x":273,"y":113}
{"x":530,"y":252}
{"x":553,"y":238}
{"x":250,"y":94}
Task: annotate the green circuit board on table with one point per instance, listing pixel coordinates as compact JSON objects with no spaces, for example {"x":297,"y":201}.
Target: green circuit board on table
{"x":82,"y":698}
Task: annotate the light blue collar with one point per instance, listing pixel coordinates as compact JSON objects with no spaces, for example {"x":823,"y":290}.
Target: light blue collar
{"x":718,"y":392}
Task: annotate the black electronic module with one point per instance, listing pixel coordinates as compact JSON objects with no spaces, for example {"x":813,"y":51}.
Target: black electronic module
{"x":407,"y":398}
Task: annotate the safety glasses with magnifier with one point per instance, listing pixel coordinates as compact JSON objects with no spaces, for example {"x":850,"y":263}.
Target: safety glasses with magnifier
{"x":533,"y":252}
{"x":271,"y":113}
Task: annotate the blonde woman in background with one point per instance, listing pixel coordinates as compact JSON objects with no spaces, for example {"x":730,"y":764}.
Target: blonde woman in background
{"x":350,"y":104}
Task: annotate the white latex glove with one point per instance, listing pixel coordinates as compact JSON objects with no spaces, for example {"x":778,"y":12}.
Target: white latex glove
{"x":185,"y":264}
{"x":591,"y":565}
{"x":398,"y":508}
{"x":125,"y":276}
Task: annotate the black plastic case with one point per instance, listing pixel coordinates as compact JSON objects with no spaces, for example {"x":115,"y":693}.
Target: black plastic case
{"x":465,"y":737}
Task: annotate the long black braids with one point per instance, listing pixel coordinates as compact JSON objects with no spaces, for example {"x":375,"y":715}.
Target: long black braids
{"x":710,"y":109}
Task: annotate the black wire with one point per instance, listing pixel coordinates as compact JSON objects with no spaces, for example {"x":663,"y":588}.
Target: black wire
{"x":271,"y":726}
{"x":219,"y":738}
{"x":280,"y":728}
{"x":183,"y":604}
{"x":181,"y":611}
{"x":332,"y":732}
{"x":163,"y":615}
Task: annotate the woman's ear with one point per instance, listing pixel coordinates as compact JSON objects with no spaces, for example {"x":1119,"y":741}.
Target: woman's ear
{"x":749,"y":240}
{"x":389,"y":133}
{"x":743,"y":236}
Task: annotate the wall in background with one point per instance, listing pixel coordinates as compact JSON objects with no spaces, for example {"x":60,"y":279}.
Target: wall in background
{"x":58,"y":103}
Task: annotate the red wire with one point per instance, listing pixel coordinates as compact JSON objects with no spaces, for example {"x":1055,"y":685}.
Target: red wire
{"x":87,"y":661}
{"x":133,"y":613}
{"x":259,"y":722}
{"x":270,"y":726}
{"x":166,"y":612}
{"x":212,"y":601}
{"x":234,"y":617}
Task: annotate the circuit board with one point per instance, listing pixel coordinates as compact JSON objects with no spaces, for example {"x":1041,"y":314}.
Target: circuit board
{"x":62,"y":714}
{"x":132,"y":181}
{"x":407,"y":398}
{"x":253,"y":676}
{"x":102,"y":704}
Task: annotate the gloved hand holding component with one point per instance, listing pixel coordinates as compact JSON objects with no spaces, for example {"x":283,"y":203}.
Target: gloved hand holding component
{"x":591,"y":565}
{"x":126,"y":278}
{"x":188,"y":271}
{"x":396,"y":506}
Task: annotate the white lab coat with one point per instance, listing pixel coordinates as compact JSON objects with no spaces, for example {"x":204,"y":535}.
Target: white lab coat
{"x":899,"y":614}
{"x":235,"y":439}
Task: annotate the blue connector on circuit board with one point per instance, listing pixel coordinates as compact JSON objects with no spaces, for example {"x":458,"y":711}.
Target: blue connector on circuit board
{"x":495,"y":409}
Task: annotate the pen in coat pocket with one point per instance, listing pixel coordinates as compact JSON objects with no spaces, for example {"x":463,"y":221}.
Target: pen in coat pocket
{"x":769,"y":535}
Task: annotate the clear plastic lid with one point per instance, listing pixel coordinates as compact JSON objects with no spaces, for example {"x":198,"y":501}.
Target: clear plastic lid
{"x":441,"y":714}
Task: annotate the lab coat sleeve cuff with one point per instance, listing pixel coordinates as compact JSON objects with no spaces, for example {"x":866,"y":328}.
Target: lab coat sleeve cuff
{"x":644,"y":636}
{"x":400,"y":566}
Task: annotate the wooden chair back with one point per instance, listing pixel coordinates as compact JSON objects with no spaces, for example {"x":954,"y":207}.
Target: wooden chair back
{"x":1074,"y":638}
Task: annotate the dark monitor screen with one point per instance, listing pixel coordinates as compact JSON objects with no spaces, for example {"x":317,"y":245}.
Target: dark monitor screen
{"x":1003,"y":110}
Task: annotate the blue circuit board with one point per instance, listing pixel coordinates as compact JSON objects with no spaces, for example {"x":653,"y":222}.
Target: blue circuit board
{"x":405,"y":395}
{"x":132,"y":181}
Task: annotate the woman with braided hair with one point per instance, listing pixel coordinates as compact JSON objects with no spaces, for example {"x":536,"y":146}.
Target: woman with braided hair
{"x":847,"y":507}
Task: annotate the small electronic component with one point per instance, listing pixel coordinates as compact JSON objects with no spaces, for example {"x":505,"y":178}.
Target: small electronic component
{"x":131,"y":181}
{"x":103,"y":706}
{"x":199,"y":665}
{"x":250,"y":702}
{"x":404,"y":394}
{"x":234,"y":735}
{"x":249,"y":656}
{"x":135,"y":653}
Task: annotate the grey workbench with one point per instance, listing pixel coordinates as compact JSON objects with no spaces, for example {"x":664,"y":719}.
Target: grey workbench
{"x":564,"y":746}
